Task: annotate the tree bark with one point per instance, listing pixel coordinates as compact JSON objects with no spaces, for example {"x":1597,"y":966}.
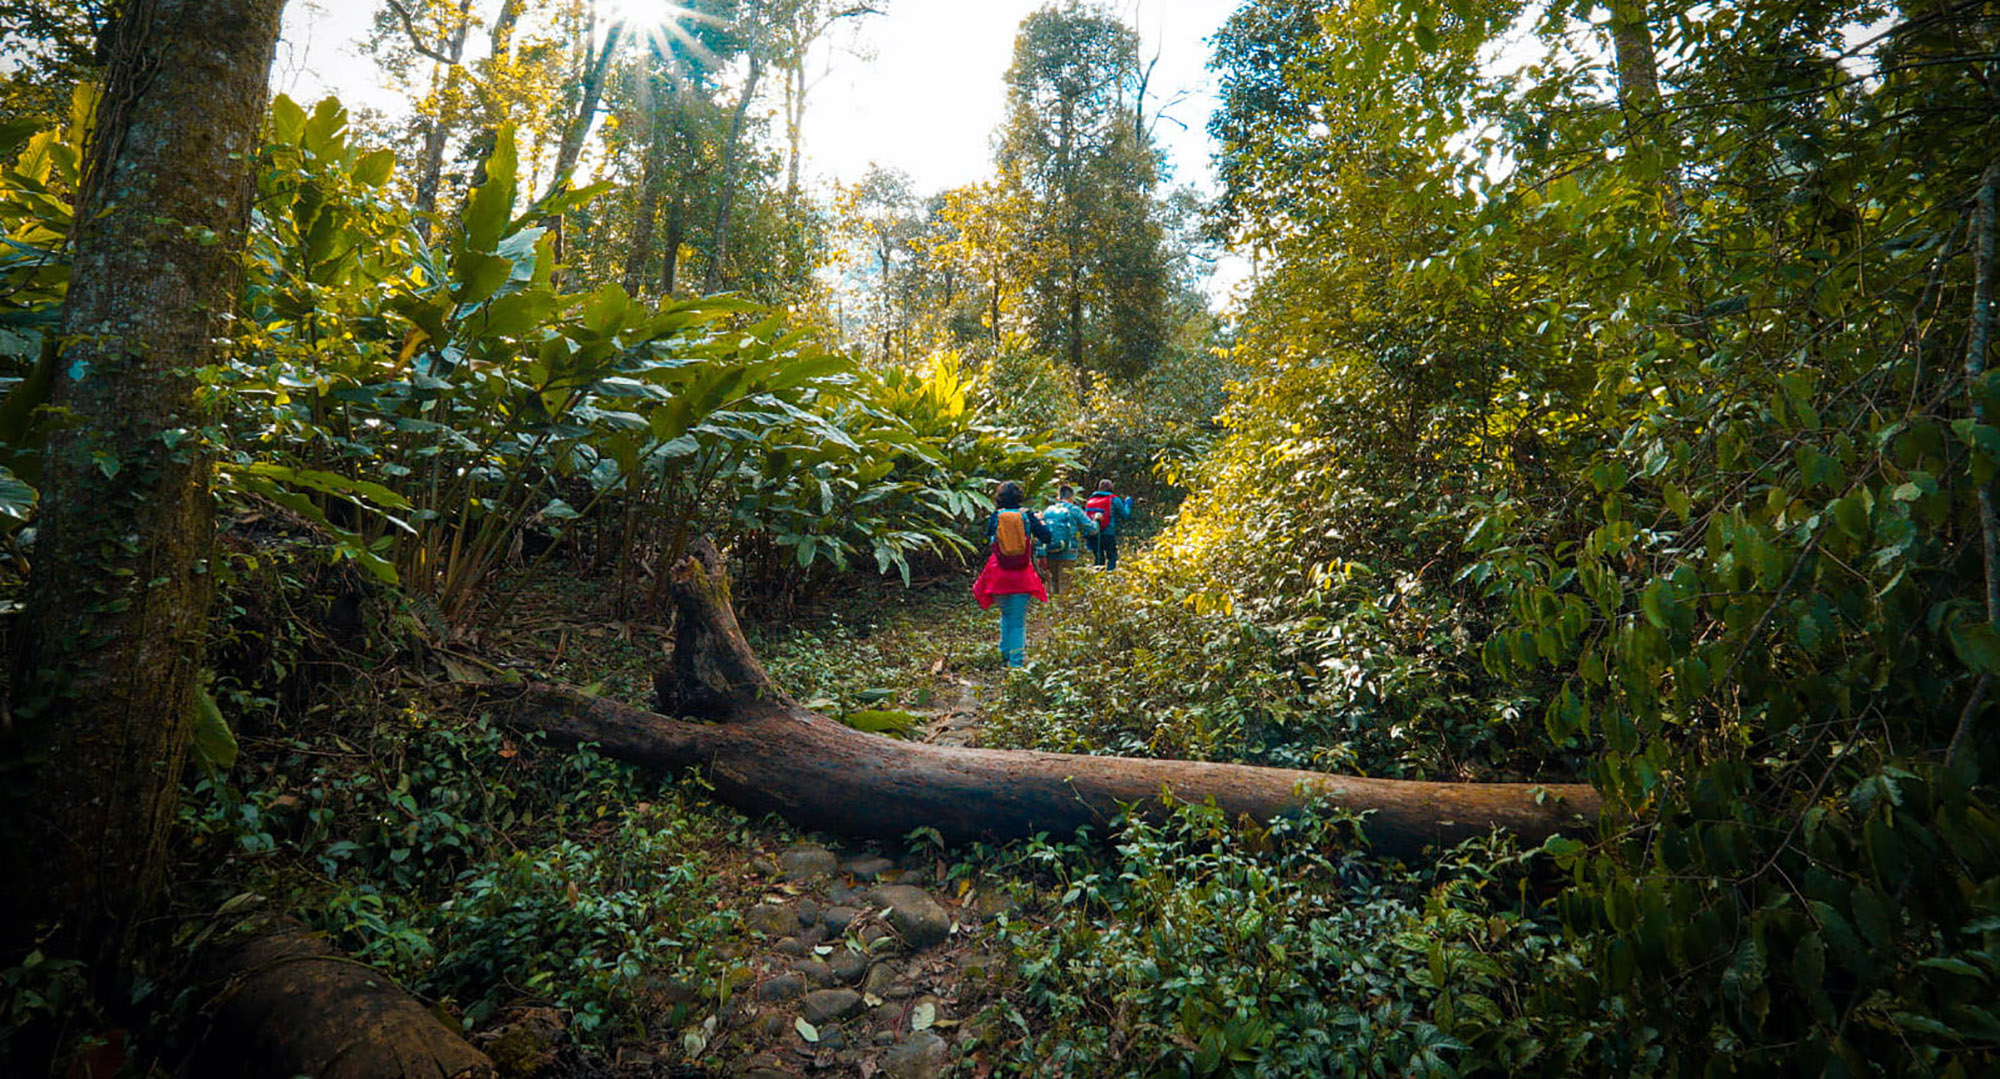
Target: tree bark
{"x":578,"y":126}
{"x":1646,"y":128}
{"x":105,"y":680}
{"x":286,"y":1003}
{"x":430,"y":167}
{"x":652,"y":181}
{"x":764,"y":752}
{"x":731,"y":151}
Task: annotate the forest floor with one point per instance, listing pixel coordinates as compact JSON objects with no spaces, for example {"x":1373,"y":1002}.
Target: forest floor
{"x":847,"y":960}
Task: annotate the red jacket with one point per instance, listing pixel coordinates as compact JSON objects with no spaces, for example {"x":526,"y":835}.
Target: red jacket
{"x":994,"y":581}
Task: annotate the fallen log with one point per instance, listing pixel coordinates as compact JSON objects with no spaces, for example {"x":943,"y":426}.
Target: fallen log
{"x":765,"y":752}
{"x":288,"y":1004}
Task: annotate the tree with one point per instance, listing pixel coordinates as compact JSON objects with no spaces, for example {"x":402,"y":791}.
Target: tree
{"x":1074,"y":143}
{"x":106,"y":682}
{"x":50,"y":46}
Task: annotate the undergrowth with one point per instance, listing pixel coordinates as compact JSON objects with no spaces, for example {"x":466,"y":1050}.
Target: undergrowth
{"x":1199,"y":946}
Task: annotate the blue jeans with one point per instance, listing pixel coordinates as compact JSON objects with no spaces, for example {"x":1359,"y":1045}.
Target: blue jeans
{"x":1014,"y":628}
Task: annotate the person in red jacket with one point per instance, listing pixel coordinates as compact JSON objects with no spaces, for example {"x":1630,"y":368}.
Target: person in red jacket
{"x":1009,"y":577}
{"x":1107,"y":510}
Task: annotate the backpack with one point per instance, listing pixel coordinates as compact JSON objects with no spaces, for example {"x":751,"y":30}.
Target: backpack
{"x":1099,"y":508}
{"x":1011,"y":543}
{"x":1061,"y":521}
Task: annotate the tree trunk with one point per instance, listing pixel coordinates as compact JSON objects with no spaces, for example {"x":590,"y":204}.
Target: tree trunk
{"x":731,"y":150}
{"x":105,"y":680}
{"x":1646,"y":128}
{"x":578,"y":126}
{"x":286,"y":1003}
{"x":652,"y":180}
{"x":670,"y":258}
{"x":764,"y":752}
{"x":430,"y":168}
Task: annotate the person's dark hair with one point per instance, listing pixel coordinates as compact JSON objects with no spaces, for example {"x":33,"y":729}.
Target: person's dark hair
{"x":1104,"y":485}
{"x":1065,"y":491}
{"x":1009,"y":496}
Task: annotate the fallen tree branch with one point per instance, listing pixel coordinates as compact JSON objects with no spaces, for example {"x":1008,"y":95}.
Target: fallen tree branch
{"x":289,"y":1004}
{"x":765,"y":752}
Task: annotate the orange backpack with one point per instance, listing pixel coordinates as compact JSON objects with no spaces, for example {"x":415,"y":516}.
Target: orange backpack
{"x":1011,"y":543}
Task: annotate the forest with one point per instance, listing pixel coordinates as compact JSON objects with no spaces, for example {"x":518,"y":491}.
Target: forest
{"x":488,"y":584}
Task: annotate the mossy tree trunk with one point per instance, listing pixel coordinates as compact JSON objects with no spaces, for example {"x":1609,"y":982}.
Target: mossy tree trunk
{"x":110,"y":643}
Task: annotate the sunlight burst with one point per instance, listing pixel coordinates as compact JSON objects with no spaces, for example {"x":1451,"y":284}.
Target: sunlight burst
{"x":662,"y":22}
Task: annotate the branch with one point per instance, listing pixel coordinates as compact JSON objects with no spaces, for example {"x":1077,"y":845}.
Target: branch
{"x":416,"y":39}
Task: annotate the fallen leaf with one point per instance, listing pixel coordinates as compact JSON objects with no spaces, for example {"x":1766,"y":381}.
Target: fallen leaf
{"x":923,"y":1017}
{"x":806,"y":1030}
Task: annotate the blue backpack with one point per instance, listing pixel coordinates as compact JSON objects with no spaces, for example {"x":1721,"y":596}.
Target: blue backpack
{"x":1062,"y":530}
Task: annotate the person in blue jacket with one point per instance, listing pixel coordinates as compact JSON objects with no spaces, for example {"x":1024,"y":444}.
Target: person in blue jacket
{"x":1069,"y":527}
{"x":1107,"y":510}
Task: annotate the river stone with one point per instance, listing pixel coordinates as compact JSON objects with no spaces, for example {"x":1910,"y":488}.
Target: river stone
{"x":847,"y":965}
{"x":919,"y":918}
{"x":922,"y":1057}
{"x":786,"y":986}
{"x":761,"y":1068}
{"x":993,"y":904}
{"x":793,"y":947}
{"x":869,"y":867}
{"x":839,"y":918}
{"x":803,"y":863}
{"x":884,"y":982}
{"x":829,"y":1005}
{"x":814,"y":971}
{"x":808,"y":911}
{"x":771,"y":919}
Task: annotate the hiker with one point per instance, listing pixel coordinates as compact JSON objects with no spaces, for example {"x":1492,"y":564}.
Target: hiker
{"x":1009,"y":576}
{"x":1069,"y":527}
{"x":1107,"y":510}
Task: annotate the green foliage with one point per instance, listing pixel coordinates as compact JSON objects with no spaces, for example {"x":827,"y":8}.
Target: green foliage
{"x":1680,"y":430}
{"x":1202,"y":948}
{"x":477,"y":869}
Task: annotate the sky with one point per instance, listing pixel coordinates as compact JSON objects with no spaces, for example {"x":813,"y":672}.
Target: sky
{"x":918,"y":87}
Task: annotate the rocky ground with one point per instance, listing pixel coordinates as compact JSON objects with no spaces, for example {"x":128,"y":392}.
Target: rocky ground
{"x":850,"y":962}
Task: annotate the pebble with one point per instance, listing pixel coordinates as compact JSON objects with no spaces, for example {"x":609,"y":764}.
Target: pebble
{"x":814,"y":971}
{"x":920,"y":920}
{"x":839,"y":918}
{"x":829,"y":1005}
{"x":981,"y":967}
{"x":775,"y":1025}
{"x":922,"y":1057}
{"x":847,"y":965}
{"x":807,"y":910}
{"x":771,"y":919}
{"x":803,"y":863}
{"x":787,"y":986}
{"x":763,"y":867}
{"x":868,"y":868}
{"x":842,"y":892}
{"x":760,"y":1068}
{"x":881,"y":980}
{"x":793,"y":947}
{"x":813,"y":936}
{"x":993,"y":904}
